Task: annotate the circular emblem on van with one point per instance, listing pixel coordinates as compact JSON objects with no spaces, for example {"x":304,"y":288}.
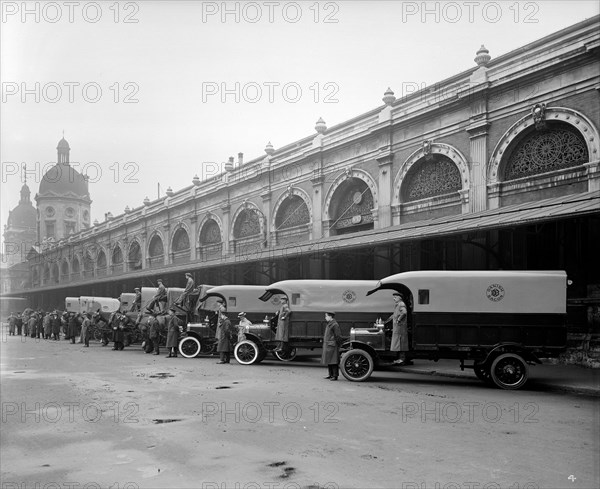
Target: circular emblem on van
{"x":349,"y":296}
{"x":495,"y":292}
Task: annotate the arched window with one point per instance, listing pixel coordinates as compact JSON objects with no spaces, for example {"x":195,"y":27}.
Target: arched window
{"x":292,"y":220}
{"x":54,"y":273}
{"x":64,"y":270}
{"x":431,"y":176}
{"x":293,"y":212}
{"x":181,"y":246}
{"x":101,"y":263}
{"x":559,"y":145}
{"x":210,"y":240}
{"x":134,"y":257}
{"x":247,"y":224}
{"x":117,"y":256}
{"x":156,"y":247}
{"x":351,"y":207}
{"x":76,"y":267}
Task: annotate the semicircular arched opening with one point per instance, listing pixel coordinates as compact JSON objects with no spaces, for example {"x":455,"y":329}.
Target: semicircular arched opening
{"x":101,"y":263}
{"x":210,"y":242}
{"x":292,"y":223}
{"x":430,"y":189}
{"x":247,"y":234}
{"x":181,"y":246}
{"x":134,"y":257}
{"x":156,"y":252}
{"x":351,"y":208}
{"x":116,"y":262}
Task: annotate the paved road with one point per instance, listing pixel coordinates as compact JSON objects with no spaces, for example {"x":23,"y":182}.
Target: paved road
{"x":91,"y":417}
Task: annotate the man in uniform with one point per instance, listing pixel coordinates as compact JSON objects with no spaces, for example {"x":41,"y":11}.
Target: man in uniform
{"x":118,"y":335}
{"x":32,"y":325}
{"x":85,"y":329}
{"x":72,"y":327}
{"x":332,"y":339}
{"x":153,"y":335}
{"x":399,"y":329}
{"x":172,"y":334}
{"x":19,"y":323}
{"x":222,"y":335}
{"x":183,"y":299}
{"x":12,"y":324}
{"x":55,"y":325}
{"x":160,"y":298}
{"x":136,"y":305}
{"x":283,"y":325}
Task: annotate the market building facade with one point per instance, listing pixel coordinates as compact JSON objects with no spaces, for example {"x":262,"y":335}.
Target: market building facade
{"x":497,"y":167}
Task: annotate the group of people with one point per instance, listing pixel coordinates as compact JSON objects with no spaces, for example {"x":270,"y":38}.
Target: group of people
{"x":49,"y":325}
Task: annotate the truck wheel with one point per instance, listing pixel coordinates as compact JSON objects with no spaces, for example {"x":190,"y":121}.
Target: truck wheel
{"x":246,"y":352}
{"x":509,"y":371}
{"x":357,"y":365}
{"x":189,"y":347}
{"x":287,"y":355}
{"x":483,"y":373}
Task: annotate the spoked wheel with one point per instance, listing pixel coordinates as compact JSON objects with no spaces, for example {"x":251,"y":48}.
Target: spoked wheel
{"x":247,"y":352}
{"x":286,"y":355}
{"x":97,"y":333}
{"x":189,"y":347}
{"x":357,"y":365}
{"x":483,"y":373}
{"x":509,"y":371}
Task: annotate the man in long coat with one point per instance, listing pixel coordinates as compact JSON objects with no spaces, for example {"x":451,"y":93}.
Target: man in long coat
{"x":72,"y":327}
{"x":153,"y":335}
{"x":399,"y":329}
{"x":222,"y":335}
{"x":283,"y":325}
{"x":118,"y":335}
{"x":19,"y":322}
{"x":32,"y":325}
{"x":46,"y":326}
{"x":332,"y":339}
{"x":172,"y":334}
{"x":85,"y":329}
{"x":55,"y":325}
{"x":12,"y":323}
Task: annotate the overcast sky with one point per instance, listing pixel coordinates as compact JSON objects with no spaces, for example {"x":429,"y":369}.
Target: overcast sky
{"x":161,"y":68}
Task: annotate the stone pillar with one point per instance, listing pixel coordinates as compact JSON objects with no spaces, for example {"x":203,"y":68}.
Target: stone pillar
{"x":144,"y":238}
{"x":167,"y":244}
{"x":593,"y":172}
{"x":478,"y":133}
{"x":266,"y":199}
{"x":194,"y":238}
{"x":317,"y":205}
{"x":226,"y":209}
{"x":384,"y":210}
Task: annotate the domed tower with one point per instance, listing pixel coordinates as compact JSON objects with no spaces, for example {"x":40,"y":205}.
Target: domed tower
{"x":63,"y":200}
{"x":20,"y":231}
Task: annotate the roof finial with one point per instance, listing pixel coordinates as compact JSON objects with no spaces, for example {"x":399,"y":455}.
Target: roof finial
{"x":25,"y":171}
{"x":63,"y":134}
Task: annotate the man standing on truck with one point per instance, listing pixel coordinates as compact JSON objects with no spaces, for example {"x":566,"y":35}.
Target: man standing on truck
{"x":184,"y":297}
{"x":399,"y":329}
{"x":136,"y":305}
{"x":283,"y":325}
{"x":160,"y":298}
